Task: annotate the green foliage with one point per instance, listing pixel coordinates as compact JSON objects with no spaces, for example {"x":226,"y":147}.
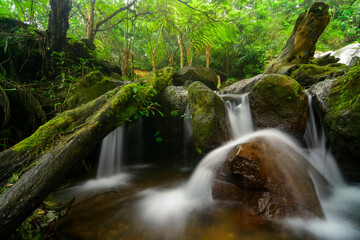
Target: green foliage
{"x":158,"y":138}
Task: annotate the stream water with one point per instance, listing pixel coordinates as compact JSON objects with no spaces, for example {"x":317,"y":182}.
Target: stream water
{"x":160,"y":201}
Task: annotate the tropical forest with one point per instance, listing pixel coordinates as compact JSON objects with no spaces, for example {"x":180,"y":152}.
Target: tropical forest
{"x":180,"y":119}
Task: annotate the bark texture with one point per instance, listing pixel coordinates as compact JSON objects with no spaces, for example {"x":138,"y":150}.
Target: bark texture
{"x":300,"y":47}
{"x":55,"y":147}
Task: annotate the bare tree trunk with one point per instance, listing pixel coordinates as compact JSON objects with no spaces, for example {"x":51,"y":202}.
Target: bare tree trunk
{"x":126,"y":61}
{"x":300,"y":46}
{"x":90,"y":24}
{"x":188,"y":55}
{"x":181,"y":52}
{"x":171,"y":61}
{"x":207,"y":52}
{"x":154,"y":59}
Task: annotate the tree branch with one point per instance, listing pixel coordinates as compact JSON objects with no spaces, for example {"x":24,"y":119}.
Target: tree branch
{"x":198,"y":10}
{"x":113,"y":15}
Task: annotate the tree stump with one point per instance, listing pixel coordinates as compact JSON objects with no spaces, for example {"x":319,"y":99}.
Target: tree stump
{"x":300,"y":47}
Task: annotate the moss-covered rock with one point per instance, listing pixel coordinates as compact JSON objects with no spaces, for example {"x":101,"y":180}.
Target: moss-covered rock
{"x":309,"y":74}
{"x":339,"y":103}
{"x":208,"y":117}
{"x":278,"y":101}
{"x":186,"y":75}
{"x":88,"y":88}
{"x":241,"y":86}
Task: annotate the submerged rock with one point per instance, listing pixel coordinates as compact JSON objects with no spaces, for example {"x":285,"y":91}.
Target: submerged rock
{"x":208,"y":114}
{"x":269,"y":179}
{"x":338,"y":102}
{"x":186,"y":75}
{"x":309,"y":74}
{"x":278,"y":101}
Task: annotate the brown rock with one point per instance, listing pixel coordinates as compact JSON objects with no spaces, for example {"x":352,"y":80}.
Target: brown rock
{"x":268,"y":178}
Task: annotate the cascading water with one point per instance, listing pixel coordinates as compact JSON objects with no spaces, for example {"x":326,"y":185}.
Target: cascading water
{"x":188,"y":133}
{"x":161,"y":208}
{"x":342,"y":206}
{"x":109,"y":168}
{"x":111,"y":153}
{"x":239,"y":114}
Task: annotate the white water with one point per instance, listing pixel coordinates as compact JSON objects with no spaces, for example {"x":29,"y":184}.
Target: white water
{"x":344,"y":54}
{"x":111,"y":154}
{"x":188,"y":132}
{"x":161,"y":208}
{"x":239,"y":115}
{"x":342,"y":207}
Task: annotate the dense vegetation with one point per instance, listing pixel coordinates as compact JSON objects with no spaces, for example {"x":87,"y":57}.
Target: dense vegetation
{"x":240,"y":36}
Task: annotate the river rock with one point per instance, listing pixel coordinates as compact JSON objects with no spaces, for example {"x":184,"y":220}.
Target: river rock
{"x":269,"y":179}
{"x":208,"y":114}
{"x":186,"y":75}
{"x":309,"y":74}
{"x":242,"y":86}
{"x":338,"y":102}
{"x":278,"y":101}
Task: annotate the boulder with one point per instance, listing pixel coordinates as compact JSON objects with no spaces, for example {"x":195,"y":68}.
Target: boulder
{"x":338,"y":102}
{"x":208,"y":114}
{"x":110,"y":67}
{"x":278,"y":101}
{"x":88,"y":88}
{"x":242,"y":86}
{"x":324,"y":59}
{"x":186,"y":75}
{"x":269,"y":179}
{"x":309,"y":74}
{"x":300,"y":46}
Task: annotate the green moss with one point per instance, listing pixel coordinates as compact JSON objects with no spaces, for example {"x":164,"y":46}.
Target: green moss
{"x":42,"y":137}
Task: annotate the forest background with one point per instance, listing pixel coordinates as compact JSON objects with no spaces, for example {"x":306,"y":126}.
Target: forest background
{"x":235,"y":37}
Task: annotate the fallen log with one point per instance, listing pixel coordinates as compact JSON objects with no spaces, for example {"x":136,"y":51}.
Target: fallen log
{"x":56,"y":146}
{"x":300,"y":46}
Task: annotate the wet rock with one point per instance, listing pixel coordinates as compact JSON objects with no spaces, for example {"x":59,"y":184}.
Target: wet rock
{"x":187,"y":75}
{"x":269,"y":179}
{"x":278,"y":101}
{"x":338,"y":102}
{"x":242,"y":86}
{"x":208,"y":114}
{"x":309,"y":74}
{"x":88,"y":88}
{"x":173,"y":101}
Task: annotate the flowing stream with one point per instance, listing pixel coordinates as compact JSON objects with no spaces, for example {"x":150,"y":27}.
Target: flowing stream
{"x":160,"y":203}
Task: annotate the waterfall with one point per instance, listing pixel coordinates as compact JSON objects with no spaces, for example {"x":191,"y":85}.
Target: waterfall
{"x":239,"y":114}
{"x":111,"y":153}
{"x":109,"y":168}
{"x":188,"y":133}
{"x":341,"y":206}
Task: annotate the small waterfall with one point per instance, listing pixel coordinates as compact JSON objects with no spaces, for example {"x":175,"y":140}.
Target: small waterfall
{"x":239,"y":114}
{"x":111,"y":153}
{"x":319,"y":156}
{"x":188,"y":133}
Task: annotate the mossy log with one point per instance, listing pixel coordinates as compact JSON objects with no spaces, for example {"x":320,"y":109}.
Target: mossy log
{"x":300,"y":46}
{"x":48,"y":154}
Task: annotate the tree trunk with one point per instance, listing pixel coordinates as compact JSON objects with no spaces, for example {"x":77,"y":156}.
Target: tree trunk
{"x":126,"y":61}
{"x":188,"y":55}
{"x":207,"y":52}
{"x":58,"y":24}
{"x":154,"y":59}
{"x":90,"y":23}
{"x":181,"y":52}
{"x":55,"y":147}
{"x":300,"y":47}
{"x":171,"y":61}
